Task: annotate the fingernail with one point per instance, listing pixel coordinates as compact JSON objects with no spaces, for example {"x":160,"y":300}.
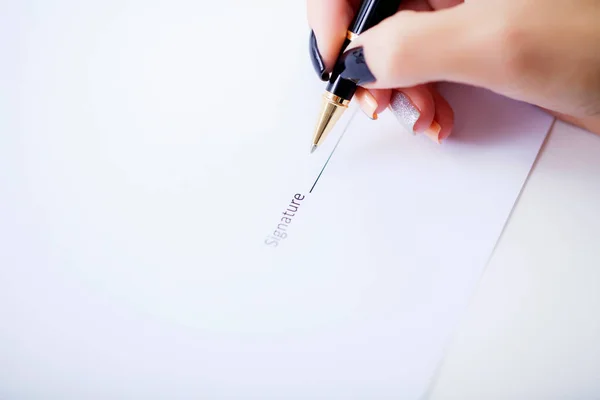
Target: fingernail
{"x":405,"y":111}
{"x":315,"y":57}
{"x":352,"y":66}
{"x":368,"y":103}
{"x":433,"y":132}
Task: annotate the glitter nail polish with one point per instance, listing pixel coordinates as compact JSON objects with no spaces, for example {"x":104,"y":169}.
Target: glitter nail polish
{"x":404,"y":110}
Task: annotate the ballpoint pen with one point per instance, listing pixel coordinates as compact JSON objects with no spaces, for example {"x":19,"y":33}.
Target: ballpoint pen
{"x":340,"y":91}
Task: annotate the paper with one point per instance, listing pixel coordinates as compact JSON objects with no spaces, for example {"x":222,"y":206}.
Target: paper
{"x":149,"y":156}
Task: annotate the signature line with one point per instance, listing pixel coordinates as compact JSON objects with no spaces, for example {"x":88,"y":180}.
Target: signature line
{"x":332,"y":151}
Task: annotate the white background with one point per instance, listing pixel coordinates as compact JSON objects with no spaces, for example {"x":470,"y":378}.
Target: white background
{"x":532,"y":330}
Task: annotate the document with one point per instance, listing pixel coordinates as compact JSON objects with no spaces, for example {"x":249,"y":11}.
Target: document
{"x":166,"y":234}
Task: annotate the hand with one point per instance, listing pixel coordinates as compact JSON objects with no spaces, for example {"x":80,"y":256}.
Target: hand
{"x":545,"y":53}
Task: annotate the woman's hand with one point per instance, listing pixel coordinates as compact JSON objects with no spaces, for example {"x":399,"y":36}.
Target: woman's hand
{"x":543,"y":52}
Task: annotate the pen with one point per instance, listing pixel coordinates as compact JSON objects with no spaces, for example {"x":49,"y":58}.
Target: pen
{"x":340,"y":91}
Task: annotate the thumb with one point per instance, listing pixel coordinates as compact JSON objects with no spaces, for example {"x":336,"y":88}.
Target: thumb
{"x":412,"y":48}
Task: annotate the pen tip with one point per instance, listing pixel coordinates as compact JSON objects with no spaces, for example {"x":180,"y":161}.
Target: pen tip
{"x":313,"y":148}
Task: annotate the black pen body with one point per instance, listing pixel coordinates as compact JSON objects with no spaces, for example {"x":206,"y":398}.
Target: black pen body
{"x":371,"y":13}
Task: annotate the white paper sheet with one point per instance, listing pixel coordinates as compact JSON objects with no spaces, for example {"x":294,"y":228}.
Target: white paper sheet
{"x":148,"y":151}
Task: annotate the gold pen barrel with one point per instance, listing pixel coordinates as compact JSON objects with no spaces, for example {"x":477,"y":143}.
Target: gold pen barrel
{"x":332,"y":109}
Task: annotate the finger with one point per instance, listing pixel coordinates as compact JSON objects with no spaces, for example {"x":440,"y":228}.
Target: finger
{"x":412,"y":48}
{"x":382,"y":96}
{"x":444,"y":115}
{"x":329,"y":21}
{"x":414,"y":108}
{"x":374,"y":101}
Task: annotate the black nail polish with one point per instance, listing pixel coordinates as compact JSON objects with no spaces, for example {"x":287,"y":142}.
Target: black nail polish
{"x":352,"y":66}
{"x":317,"y":60}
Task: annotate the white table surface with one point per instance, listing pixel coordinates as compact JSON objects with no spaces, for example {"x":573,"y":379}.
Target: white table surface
{"x":533,"y":328}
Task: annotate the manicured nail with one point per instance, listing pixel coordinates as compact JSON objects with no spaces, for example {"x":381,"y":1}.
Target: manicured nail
{"x":405,"y":111}
{"x":352,"y":66}
{"x":408,"y":115}
{"x":316,"y":58}
{"x":433,"y":132}
{"x":367,"y":103}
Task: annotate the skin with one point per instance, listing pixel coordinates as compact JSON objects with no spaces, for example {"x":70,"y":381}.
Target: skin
{"x":544,"y":53}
